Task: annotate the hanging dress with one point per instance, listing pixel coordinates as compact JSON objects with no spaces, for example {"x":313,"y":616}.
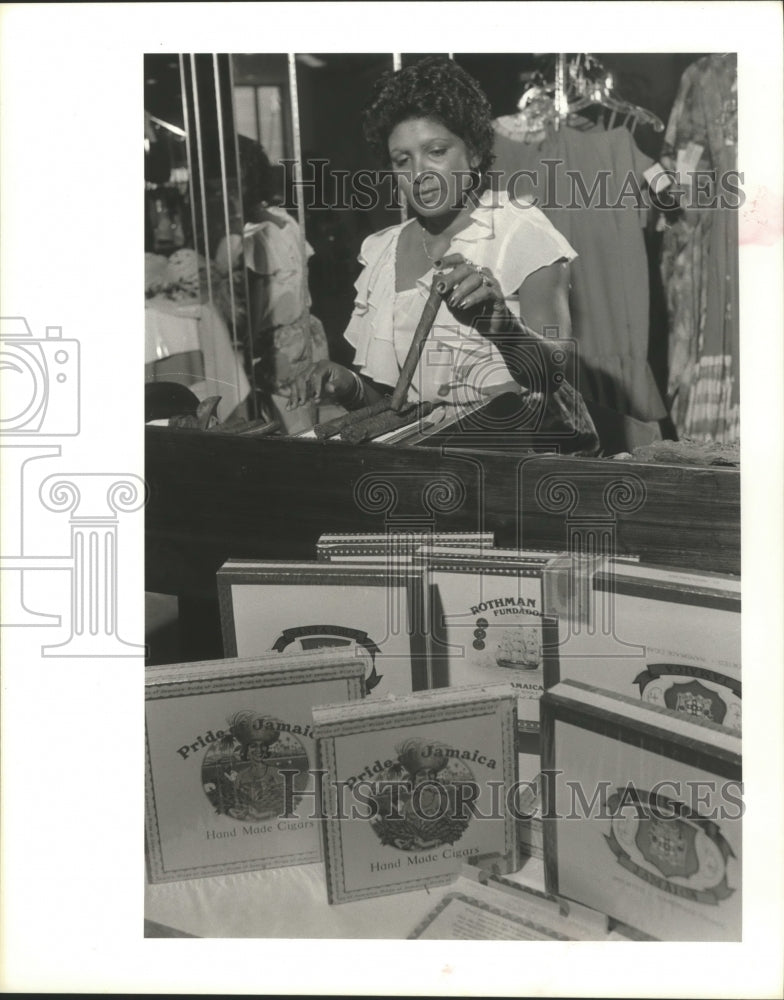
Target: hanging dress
{"x":589,"y":185}
{"x":288,"y":337}
{"x":700,"y":261}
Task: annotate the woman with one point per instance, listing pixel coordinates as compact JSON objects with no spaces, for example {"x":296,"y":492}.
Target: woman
{"x":493,"y":260}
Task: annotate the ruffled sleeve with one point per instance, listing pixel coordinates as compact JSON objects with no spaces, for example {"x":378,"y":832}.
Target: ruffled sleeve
{"x":526,"y":242}
{"x":370,"y":330}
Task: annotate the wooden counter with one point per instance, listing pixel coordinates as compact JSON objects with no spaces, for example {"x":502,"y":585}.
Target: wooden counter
{"x":213,"y":496}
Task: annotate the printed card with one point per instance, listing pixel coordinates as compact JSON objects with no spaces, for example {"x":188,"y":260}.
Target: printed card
{"x":230,"y":751}
{"x":414,"y":787}
{"x":285,"y":606}
{"x":644,"y":814}
{"x":480,"y":906}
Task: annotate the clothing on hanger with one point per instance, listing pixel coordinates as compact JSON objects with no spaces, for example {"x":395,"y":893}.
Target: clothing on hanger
{"x":287,"y":336}
{"x":609,"y":295}
{"x":699,"y":263}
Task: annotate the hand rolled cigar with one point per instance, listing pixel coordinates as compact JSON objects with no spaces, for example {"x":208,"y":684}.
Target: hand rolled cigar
{"x":389,"y":420}
{"x":332,"y":427}
{"x":424,"y":326}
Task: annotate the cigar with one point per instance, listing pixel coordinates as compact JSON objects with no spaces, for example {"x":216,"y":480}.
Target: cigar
{"x":332,"y":427}
{"x":389,"y":420}
{"x":394,"y":403}
{"x":424,"y":326}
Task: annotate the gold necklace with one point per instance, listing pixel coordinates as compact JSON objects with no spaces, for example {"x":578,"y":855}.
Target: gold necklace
{"x":432,"y":260}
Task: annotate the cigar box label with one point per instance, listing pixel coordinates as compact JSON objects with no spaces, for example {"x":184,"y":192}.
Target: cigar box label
{"x":675,"y":647}
{"x":306,"y":637}
{"x":241,"y":770}
{"x":667,"y":845}
{"x":412,"y":790}
{"x":642,"y":813}
{"x":287,"y":607}
{"x":229,"y":796}
{"x":417,"y":796}
{"x":230,"y":754}
{"x":700,"y":693}
{"x":490,"y":629}
{"x":517,"y":648}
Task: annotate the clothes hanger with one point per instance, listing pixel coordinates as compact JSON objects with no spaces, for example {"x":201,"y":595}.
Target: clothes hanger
{"x":619,"y":106}
{"x":590,"y":84}
{"x":579,"y":84}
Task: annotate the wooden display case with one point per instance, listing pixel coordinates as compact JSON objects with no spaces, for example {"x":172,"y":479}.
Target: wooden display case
{"x":215,"y":496}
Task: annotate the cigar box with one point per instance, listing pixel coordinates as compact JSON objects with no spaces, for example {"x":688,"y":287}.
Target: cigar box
{"x":229,"y":756}
{"x":642,"y":813}
{"x":414,"y":787}
{"x":664,"y":636}
{"x":284,"y":606}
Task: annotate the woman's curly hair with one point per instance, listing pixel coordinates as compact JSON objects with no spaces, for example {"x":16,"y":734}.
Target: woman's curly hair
{"x":434,"y":88}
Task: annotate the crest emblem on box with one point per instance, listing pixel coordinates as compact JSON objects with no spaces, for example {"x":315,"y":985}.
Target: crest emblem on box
{"x":708,"y":695}
{"x":670,"y":846}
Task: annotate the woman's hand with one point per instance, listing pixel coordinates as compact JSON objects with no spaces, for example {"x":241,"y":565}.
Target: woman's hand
{"x":296,"y":390}
{"x":332,"y":381}
{"x":323,"y":379}
{"x":469,"y":287}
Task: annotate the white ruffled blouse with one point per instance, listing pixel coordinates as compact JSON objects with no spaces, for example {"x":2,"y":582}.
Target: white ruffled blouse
{"x":510,"y":238}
